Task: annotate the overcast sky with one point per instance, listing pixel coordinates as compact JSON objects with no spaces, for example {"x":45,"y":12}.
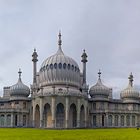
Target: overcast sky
{"x":109,"y":30}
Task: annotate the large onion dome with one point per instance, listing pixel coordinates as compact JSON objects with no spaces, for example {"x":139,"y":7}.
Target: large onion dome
{"x":130,"y":94}
{"x":19,"y":89}
{"x":100,"y":91}
{"x":59,"y":69}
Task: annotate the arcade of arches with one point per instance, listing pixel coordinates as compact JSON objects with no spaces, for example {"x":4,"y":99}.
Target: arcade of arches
{"x":60,"y":116}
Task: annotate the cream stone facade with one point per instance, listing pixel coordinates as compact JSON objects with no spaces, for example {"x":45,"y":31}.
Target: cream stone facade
{"x":59,"y":97}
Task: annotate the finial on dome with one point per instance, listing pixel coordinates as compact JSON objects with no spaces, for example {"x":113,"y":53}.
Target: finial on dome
{"x":59,"y":43}
{"x":34,"y":49}
{"x":131,"y":79}
{"x":59,"y":39}
{"x":99,"y":73}
{"x":19,"y":72}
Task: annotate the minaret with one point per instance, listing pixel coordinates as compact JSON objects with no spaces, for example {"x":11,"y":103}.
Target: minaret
{"x":84,"y":61}
{"x":34,"y":56}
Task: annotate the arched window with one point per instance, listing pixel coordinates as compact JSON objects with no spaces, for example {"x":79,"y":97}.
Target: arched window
{"x":64,"y":66}
{"x":133,"y":120}
{"x":72,"y":67}
{"x":47,"y":116}
{"x":55,"y":66}
{"x":24,"y":120}
{"x":94,"y":121}
{"x":68,"y":66}
{"x":128,"y":120}
{"x":8,"y":120}
{"x":51,"y":66}
{"x":110,"y":120}
{"x":122,"y":120}
{"x":2,"y":120}
{"x":60,"y":116}
{"x":60,"y":65}
{"x":24,"y":105}
{"x":116,"y":120}
{"x":73,"y":116}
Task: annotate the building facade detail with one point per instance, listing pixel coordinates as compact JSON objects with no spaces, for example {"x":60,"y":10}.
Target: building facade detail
{"x":59,"y":97}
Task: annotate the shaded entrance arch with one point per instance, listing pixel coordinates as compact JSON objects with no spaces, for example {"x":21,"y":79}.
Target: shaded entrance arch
{"x":47,"y":116}
{"x":82,"y":116}
{"x":37,"y":116}
{"x":73,"y":116}
{"x":60,"y":115}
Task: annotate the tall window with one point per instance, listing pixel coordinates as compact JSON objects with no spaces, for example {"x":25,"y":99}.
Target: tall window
{"x":24,"y":105}
{"x":116,"y":120}
{"x":94,"y":106}
{"x":24,"y":120}
{"x":60,"y":115}
{"x":2,"y":120}
{"x":110,"y":120}
{"x":122,"y":120}
{"x":128,"y":120}
{"x":133,"y":120}
{"x":8,"y":120}
{"x":94,"y":121}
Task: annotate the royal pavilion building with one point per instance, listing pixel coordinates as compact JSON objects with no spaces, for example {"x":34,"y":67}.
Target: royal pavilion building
{"x":60,"y":97}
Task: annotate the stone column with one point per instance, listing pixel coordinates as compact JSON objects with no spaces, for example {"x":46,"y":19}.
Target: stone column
{"x":78,"y":113}
{"x":119,"y":121}
{"x":67,"y":112}
{"x":41,"y":112}
{"x":113,"y":120}
{"x":106,"y":118}
{"x":125,"y":121}
{"x":33,"y":121}
{"x":53,"y":112}
{"x":136,"y":121}
{"x":130,"y":120}
{"x":12,"y":120}
{"x":5,"y":120}
{"x":86,"y":114}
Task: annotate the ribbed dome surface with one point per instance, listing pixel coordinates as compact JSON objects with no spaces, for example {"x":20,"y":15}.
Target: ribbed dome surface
{"x":99,"y":89}
{"x":19,"y":89}
{"x":130,"y":91}
{"x":59,"y":69}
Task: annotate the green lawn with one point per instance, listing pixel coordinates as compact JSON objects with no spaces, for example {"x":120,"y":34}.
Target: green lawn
{"x":87,"y":134}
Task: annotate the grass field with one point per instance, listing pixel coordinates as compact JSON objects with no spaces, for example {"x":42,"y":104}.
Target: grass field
{"x":88,"y":134}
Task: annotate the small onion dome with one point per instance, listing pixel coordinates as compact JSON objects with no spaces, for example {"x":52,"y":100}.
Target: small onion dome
{"x":99,"y":90}
{"x":130,"y":94}
{"x":19,"y":89}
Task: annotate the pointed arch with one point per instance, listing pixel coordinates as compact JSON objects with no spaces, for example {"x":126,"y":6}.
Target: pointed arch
{"x":122,"y":120}
{"x":47,"y":116}
{"x":73,"y":116}
{"x":110,"y":120}
{"x":60,"y":115}
{"x":82,"y":116}
{"x":37,"y":116}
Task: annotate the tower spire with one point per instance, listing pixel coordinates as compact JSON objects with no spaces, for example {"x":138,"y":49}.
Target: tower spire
{"x":34,"y":59}
{"x":131,"y":79}
{"x":19,"y":72}
{"x":99,"y":73}
{"x":59,"y":43}
{"x":84,"y":61}
{"x":59,"y":39}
